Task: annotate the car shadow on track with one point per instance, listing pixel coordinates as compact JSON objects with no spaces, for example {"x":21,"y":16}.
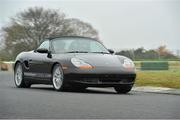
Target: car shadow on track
{"x":88,"y":90}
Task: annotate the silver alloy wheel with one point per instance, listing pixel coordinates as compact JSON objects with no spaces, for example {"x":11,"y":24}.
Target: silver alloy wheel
{"x":57,"y":78}
{"x":18,"y":75}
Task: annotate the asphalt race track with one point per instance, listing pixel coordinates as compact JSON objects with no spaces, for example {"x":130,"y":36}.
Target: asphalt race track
{"x":42,"y":101}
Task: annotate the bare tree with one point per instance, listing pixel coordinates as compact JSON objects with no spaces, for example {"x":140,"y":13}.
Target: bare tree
{"x":29,"y":27}
{"x":164,"y":52}
{"x":75,"y":27}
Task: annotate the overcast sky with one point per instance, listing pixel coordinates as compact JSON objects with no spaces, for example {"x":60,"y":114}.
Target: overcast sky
{"x":121,"y":23}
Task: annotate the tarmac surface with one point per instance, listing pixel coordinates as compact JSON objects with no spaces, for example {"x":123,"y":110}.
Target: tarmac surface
{"x":41,"y":102}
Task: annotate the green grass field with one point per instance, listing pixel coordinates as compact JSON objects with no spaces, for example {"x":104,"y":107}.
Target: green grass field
{"x":170,"y":79}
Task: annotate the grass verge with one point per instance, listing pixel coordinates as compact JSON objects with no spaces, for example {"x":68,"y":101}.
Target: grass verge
{"x":170,"y":79}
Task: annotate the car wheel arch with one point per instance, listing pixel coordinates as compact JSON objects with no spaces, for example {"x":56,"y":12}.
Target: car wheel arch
{"x":56,"y":63}
{"x":18,"y":61}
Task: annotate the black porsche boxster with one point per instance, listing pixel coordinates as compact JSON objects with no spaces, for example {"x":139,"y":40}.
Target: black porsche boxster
{"x":76,"y":63}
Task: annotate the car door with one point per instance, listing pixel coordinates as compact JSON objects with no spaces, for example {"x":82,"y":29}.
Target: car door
{"x":40,"y":64}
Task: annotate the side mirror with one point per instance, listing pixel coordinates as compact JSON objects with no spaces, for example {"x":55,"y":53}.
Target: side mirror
{"x":42,"y":50}
{"x":111,"y":51}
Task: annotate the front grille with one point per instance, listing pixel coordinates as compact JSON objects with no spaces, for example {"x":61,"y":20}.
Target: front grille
{"x":104,"y":78}
{"x":109,"y":79}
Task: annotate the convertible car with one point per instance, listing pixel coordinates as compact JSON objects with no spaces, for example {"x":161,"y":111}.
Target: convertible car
{"x":74,"y":63}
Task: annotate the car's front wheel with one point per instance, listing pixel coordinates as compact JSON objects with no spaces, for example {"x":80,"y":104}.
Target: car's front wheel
{"x":19,"y":77}
{"x":57,"y":78}
{"x":123,"y":89}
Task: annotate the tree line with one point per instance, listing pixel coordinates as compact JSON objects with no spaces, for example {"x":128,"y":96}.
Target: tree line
{"x":161,"y":53}
{"x":28,"y":28}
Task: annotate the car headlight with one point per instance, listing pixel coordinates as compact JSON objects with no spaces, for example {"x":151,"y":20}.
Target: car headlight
{"x":127,"y":63}
{"x":80,"y":63}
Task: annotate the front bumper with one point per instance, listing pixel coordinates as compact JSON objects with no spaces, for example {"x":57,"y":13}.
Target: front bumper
{"x":96,"y":80}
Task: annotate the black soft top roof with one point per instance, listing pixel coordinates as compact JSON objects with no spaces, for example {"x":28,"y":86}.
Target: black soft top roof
{"x":51,"y":38}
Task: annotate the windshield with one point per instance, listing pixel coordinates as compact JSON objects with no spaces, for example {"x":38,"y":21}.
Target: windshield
{"x":77,"y":45}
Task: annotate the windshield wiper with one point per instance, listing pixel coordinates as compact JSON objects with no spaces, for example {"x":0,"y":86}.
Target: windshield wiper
{"x":101,"y":52}
{"x":77,"y":52}
{"x":87,"y":52}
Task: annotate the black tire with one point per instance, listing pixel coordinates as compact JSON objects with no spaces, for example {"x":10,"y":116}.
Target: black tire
{"x":19,"y":77}
{"x":123,"y":89}
{"x":58,"y":81}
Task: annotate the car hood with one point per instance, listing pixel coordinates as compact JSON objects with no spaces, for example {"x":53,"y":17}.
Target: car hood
{"x":94,"y":59}
{"x":106,"y":60}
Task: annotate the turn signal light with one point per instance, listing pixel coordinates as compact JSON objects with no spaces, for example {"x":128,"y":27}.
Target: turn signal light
{"x":86,"y":67}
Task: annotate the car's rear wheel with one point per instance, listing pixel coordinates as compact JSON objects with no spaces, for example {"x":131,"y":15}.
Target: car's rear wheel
{"x":58,"y":78}
{"x":123,"y":89}
{"x":19,"y":77}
